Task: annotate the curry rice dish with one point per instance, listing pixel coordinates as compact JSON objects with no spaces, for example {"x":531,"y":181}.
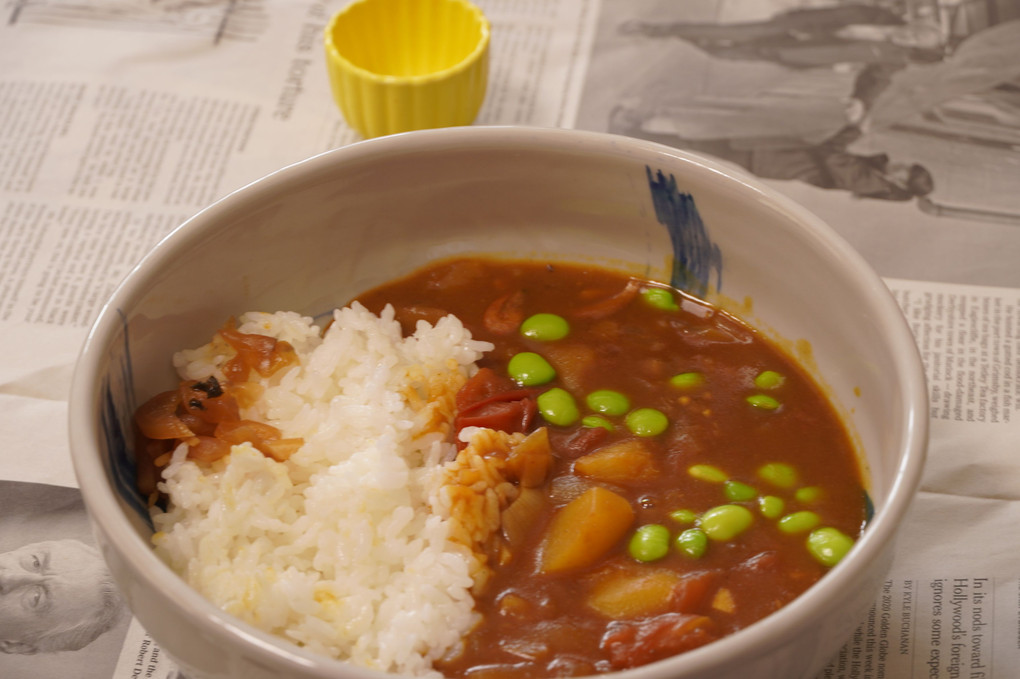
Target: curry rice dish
{"x":498,"y":469}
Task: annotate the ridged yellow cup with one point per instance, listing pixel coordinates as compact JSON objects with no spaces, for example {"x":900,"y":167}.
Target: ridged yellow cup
{"x":400,"y":65}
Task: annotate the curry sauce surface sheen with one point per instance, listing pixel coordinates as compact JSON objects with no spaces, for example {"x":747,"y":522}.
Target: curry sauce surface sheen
{"x":620,"y":611}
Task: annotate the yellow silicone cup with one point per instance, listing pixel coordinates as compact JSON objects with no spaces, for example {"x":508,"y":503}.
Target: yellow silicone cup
{"x":401,"y":65}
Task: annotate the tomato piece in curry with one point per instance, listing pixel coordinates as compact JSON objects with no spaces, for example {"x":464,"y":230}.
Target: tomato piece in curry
{"x":698,"y":479}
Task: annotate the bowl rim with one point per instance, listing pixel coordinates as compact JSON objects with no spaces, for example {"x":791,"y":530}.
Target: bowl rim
{"x":753,"y":641}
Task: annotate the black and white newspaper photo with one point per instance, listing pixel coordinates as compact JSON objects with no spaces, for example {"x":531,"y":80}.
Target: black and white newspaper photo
{"x":62,"y":614}
{"x":897,"y":121}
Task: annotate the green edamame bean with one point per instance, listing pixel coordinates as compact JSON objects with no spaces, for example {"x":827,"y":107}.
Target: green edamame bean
{"x":529,"y":369}
{"x":687,"y":380}
{"x":660,"y":298}
{"x":799,"y":522}
{"x":829,"y":545}
{"x":683,"y":516}
{"x":692,"y":542}
{"x":737,"y":491}
{"x":778,"y":474}
{"x":593,"y":421}
{"x":771,"y":507}
{"x":545,"y":327}
{"x":808,"y":494}
{"x":707,"y":472}
{"x":649,"y":542}
{"x":608,"y":402}
{"x":646,"y":422}
{"x":557,"y":406}
{"x":763,"y":402}
{"x":769,"y":379}
{"x":726,"y":522}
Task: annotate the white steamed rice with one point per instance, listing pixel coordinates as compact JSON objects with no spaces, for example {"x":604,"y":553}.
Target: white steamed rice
{"x":343,"y":548}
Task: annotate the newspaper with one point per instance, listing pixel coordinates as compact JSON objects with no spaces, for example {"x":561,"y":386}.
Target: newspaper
{"x":831,"y":101}
{"x":120,"y":118}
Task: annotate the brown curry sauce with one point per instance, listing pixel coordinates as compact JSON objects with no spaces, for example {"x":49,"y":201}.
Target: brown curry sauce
{"x":538,"y":624}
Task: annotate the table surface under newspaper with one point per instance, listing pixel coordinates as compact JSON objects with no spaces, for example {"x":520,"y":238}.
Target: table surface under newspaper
{"x":896,"y":121}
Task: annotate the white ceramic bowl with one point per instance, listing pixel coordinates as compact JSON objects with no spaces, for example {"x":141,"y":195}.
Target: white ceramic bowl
{"x":309,"y":236}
